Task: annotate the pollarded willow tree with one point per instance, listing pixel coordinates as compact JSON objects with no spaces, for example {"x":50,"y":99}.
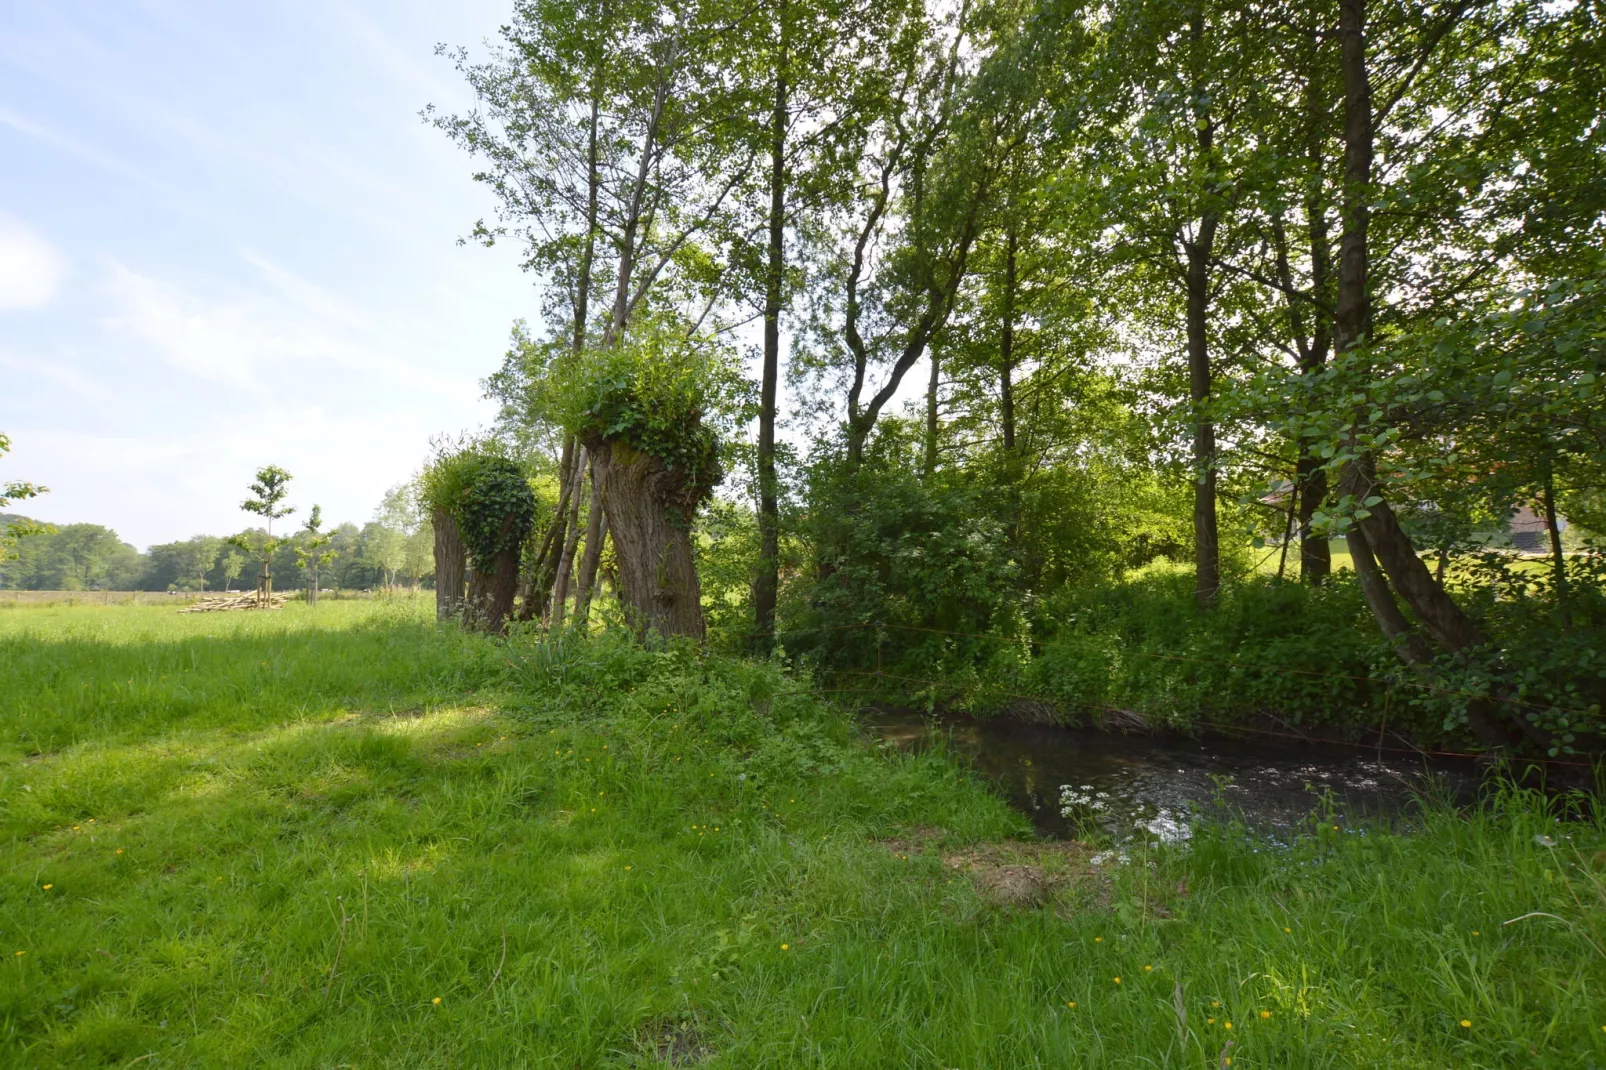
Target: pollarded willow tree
{"x":483,"y":510}
{"x":651,"y":411}
{"x":621,"y":144}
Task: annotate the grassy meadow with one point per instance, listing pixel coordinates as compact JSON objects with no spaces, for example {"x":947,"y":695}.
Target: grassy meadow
{"x":348,"y":837}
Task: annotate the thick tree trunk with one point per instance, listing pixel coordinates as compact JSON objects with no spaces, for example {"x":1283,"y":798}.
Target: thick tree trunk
{"x":1451,"y":629}
{"x":1207,"y":551}
{"x":766,"y":585}
{"x":650,"y":509}
{"x":596,"y":533}
{"x":490,"y":594}
{"x":1315,"y":556}
{"x":1410,"y":646}
{"x":1482,"y":717}
{"x":451,"y":561}
{"x":1206,"y":544}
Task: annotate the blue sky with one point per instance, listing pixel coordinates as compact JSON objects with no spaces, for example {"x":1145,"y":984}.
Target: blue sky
{"x":227,"y":240}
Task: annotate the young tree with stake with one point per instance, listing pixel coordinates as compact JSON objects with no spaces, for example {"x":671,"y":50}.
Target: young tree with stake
{"x":267,"y":501}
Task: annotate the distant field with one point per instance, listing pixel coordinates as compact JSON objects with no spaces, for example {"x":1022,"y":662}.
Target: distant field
{"x":158,"y":598}
{"x":97,"y":598}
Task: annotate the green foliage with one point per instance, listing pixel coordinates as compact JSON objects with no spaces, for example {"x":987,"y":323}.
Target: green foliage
{"x":659,"y":392}
{"x":14,"y":528}
{"x":1268,"y":651}
{"x":336,"y":819}
{"x":73,"y":557}
{"x":902,"y":552}
{"x":268,"y":492}
{"x":725,"y":541}
{"x":497,"y":511}
{"x":489,"y":495}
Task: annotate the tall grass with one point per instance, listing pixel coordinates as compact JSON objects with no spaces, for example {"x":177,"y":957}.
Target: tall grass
{"x":348,"y":837}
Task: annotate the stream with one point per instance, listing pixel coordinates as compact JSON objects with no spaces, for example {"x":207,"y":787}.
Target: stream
{"x":1136,"y":788}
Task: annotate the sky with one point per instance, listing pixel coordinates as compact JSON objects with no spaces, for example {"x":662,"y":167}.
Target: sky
{"x":227,"y":240}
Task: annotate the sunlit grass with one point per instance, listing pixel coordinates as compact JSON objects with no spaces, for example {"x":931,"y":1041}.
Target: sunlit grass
{"x":352,"y":838}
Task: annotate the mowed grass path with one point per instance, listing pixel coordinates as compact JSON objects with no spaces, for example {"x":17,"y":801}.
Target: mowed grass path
{"x":346,"y":837}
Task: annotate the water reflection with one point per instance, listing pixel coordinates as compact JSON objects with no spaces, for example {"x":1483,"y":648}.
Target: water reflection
{"x":1074,"y":782}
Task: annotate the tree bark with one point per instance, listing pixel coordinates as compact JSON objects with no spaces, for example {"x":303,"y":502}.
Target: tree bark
{"x":1206,"y":543}
{"x":1315,"y":555}
{"x":490,"y":594}
{"x":929,"y":468}
{"x":1412,"y":649}
{"x":537,"y":587}
{"x":1207,"y":550}
{"x":1557,"y":556}
{"x":596,"y":533}
{"x":766,"y":585}
{"x":560,"y":586}
{"x":650,"y":509}
{"x":1444,"y":620}
{"x":1410,"y":646}
{"x":1375,"y":524}
{"x":1006,"y":348}
{"x":451,"y":561}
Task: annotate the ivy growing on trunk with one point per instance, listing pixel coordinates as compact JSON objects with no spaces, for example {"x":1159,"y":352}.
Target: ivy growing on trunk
{"x":484,"y":511}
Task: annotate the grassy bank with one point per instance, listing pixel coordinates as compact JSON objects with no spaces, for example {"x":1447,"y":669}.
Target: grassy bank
{"x":344,"y":836}
{"x":1263,"y":655}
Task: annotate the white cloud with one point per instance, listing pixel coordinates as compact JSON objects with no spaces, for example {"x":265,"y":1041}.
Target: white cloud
{"x":31,"y":269}
{"x":241,"y":338}
{"x":216,"y":341}
{"x":71,"y":146}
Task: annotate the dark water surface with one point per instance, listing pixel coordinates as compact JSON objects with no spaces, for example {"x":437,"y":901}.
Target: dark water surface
{"x":1133,"y":787}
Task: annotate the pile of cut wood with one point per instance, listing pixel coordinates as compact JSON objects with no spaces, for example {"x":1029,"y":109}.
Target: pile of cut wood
{"x":249,"y":600}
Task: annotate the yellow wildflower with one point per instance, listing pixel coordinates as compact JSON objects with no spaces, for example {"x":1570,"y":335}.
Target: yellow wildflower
{"x":1117,"y":980}
{"x":786,"y":947}
{"x":436,"y":1001}
{"x":1466,"y":1023}
{"x":1265,"y":1014}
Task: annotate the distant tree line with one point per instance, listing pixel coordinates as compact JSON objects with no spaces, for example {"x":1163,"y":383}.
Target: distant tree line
{"x":394,"y":548}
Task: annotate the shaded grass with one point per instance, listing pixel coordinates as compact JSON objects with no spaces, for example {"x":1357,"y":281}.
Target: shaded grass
{"x":593,"y":856}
